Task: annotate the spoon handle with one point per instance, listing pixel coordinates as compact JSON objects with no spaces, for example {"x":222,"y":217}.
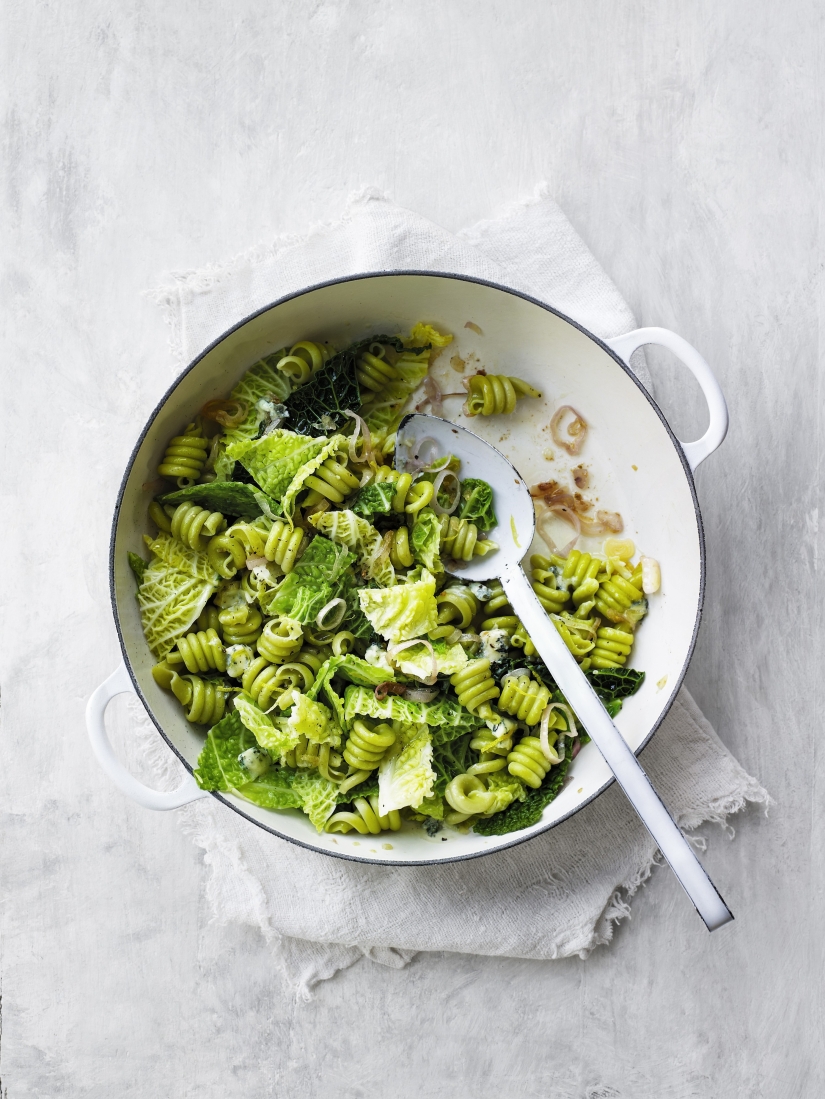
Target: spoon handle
{"x":619,"y":757}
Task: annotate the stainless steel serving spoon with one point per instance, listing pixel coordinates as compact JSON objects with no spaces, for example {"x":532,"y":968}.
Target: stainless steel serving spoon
{"x":517,"y":520}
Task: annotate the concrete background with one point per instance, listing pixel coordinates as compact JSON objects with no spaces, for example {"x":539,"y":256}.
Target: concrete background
{"x":685,"y":144}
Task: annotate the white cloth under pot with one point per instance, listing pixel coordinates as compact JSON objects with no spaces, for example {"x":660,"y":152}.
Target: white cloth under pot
{"x":557,"y":895}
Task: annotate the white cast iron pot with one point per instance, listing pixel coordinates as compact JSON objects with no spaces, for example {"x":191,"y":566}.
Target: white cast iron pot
{"x":637,"y":467}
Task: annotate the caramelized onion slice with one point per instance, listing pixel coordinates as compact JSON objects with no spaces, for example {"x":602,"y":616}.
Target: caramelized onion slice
{"x":576,"y":429}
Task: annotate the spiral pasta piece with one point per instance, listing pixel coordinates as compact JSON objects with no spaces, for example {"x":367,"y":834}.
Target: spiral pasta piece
{"x":528,"y":762}
{"x":523,"y":698}
{"x":209,"y":619}
{"x":296,"y":674}
{"x":303,"y":360}
{"x":576,"y":636}
{"x":342,"y":643}
{"x":200,"y":651}
{"x":241,"y":625}
{"x":195,"y":526}
{"x":260,"y":681}
{"x":203,"y":701}
{"x":185,"y":456}
{"x":418,"y":497}
{"x":280,"y":638}
{"x":373,"y":371}
{"x":475,"y":687}
{"x":459,"y":539}
{"x":284,"y":545}
{"x":468,"y":796}
{"x":494,"y":394}
{"x":366,"y":746}
{"x":161,"y":517}
{"x":492,"y":751}
{"x":612,"y":648}
{"x":332,"y":481}
{"x":498,"y":601}
{"x":226,"y":555}
{"x":545,"y":583}
{"x":364,"y":818}
{"x":520,"y":639}
{"x":616,"y":596}
{"x":400,"y":551}
{"x":456,"y":605}
{"x":580,"y":578}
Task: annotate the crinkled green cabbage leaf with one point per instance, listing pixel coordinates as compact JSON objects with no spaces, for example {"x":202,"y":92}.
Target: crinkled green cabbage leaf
{"x":432,"y":807}
{"x":181,"y":557}
{"x":416,"y":660}
{"x":450,"y":718}
{"x":273,"y":790}
{"x":319,"y":575}
{"x":374,"y":499}
{"x":174,"y":589}
{"x":507,"y":788}
{"x":261,"y":382}
{"x":407,"y":778}
{"x":231,"y":498}
{"x":332,"y":446}
{"x":348,"y":529}
{"x":349,"y":667}
{"x":476,"y":503}
{"x":404,"y":611}
{"x":313,"y":720}
{"x":218,"y":767}
{"x":276,"y":735}
{"x":275,"y":459}
{"x":425,"y":540}
{"x":318,"y":796}
{"x":451,"y":758}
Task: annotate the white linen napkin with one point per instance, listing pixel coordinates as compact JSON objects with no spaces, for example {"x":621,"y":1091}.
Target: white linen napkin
{"x":560,"y":893}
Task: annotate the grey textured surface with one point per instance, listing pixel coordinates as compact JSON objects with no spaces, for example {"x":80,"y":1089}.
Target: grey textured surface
{"x":685,"y":144}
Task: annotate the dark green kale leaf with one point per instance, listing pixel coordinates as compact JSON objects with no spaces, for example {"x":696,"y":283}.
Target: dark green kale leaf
{"x":318,"y":407}
{"x":523,"y":814}
{"x":138,"y":566}
{"x":374,"y":499}
{"x":241,"y":475}
{"x":477,"y":503}
{"x":451,"y":759}
{"x":242,"y":501}
{"x":612,"y":685}
{"x":616,"y":682}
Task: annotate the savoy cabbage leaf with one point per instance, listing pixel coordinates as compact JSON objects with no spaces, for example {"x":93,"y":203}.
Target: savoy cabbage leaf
{"x":241,"y":501}
{"x":274,"y":459}
{"x":319,"y":575}
{"x":402,"y":612}
{"x":476,"y":503}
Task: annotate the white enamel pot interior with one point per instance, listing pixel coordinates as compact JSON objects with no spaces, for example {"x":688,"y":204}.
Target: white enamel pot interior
{"x":636,"y":467}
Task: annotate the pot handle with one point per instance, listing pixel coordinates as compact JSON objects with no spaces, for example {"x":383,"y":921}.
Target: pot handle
{"x":695,"y":452}
{"x":119,"y":683}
